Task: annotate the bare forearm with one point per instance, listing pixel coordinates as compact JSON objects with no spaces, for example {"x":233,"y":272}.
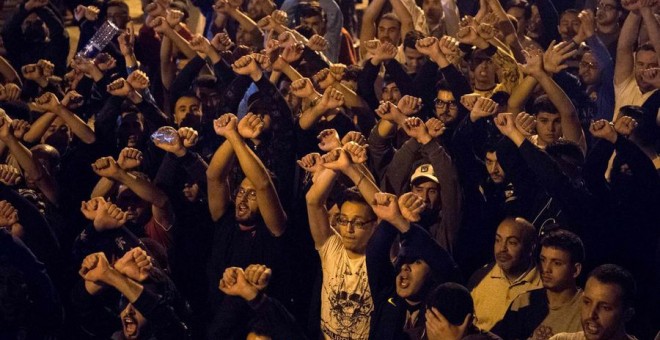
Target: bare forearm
{"x":181,"y":43}
{"x":103,"y":188}
{"x":310,"y":117}
{"x":221,"y":163}
{"x":77,"y":125}
{"x":363,"y":182}
{"x":143,"y":189}
{"x":127,"y":287}
{"x":251,"y":165}
{"x":39,"y":127}
{"x":521,"y":94}
{"x":652,"y":27}
{"x":24,"y":158}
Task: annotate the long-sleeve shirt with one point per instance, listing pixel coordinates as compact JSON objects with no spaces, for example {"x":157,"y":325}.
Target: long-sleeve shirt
{"x":21,"y":52}
{"x":397,"y":179}
{"x":334,"y":23}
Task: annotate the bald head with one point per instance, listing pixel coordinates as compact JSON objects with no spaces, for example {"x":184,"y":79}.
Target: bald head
{"x":514,"y":244}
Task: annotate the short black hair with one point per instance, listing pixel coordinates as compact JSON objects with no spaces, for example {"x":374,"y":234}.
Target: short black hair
{"x":410,"y":40}
{"x":205,"y":80}
{"x":352,"y":72}
{"x":520,"y":4}
{"x":646,"y":47}
{"x":310,"y":9}
{"x":617,"y":275}
{"x":453,"y":301}
{"x":566,"y":241}
{"x":352,"y":194}
{"x":116,"y":3}
{"x":543,"y":104}
{"x":569,"y":11}
{"x":442,"y":85}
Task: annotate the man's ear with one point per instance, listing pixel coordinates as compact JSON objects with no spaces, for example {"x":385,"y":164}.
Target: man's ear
{"x":577,"y":269}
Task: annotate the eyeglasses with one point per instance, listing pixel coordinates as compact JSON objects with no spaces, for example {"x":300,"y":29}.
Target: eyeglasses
{"x":357,"y":224}
{"x":586,"y":64}
{"x":251,"y":194}
{"x":441,"y":103}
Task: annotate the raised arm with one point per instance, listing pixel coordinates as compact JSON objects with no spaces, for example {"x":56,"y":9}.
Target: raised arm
{"x":216,"y":177}
{"x":317,"y":213}
{"x":160,"y":204}
{"x":570,"y":122}
{"x":651,"y":23}
{"x":625,"y":60}
{"x":49,"y":102}
{"x":368,"y":28}
{"x":269,"y":203}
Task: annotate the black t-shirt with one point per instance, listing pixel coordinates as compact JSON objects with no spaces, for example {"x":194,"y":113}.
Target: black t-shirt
{"x":234,"y":246}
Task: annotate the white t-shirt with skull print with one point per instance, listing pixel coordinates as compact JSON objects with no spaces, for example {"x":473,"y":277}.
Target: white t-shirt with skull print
{"x":346,"y":301}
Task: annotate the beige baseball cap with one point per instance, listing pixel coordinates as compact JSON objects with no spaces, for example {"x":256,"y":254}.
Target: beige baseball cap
{"x":425,"y":171}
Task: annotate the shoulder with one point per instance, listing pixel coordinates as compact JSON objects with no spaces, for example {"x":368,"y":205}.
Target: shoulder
{"x":479,"y":275}
{"x":331,"y":247}
{"x":568,"y":336}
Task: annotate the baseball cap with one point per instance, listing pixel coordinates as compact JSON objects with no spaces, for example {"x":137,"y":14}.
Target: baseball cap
{"x":424,"y":171}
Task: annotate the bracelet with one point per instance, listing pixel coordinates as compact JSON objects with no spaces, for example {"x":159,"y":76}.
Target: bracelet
{"x":360,"y":181}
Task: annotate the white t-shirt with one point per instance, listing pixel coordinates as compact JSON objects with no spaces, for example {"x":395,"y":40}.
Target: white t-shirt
{"x":346,"y":301}
{"x":577,"y":336}
{"x":628,"y":93}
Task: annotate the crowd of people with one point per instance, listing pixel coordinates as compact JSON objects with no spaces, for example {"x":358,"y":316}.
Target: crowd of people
{"x":433,"y":169}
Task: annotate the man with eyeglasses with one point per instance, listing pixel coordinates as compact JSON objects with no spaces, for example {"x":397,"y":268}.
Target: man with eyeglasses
{"x":596,"y":68}
{"x":248,"y":227}
{"x":446,"y":106}
{"x":347,"y":301}
{"x":608,"y":15}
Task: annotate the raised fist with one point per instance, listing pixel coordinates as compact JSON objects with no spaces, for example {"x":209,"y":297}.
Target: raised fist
{"x":302,"y":88}
{"x":136,"y":264}
{"x":317,"y":43}
{"x":119,"y":87}
{"x":72,"y":100}
{"x":8,"y":215}
{"x":251,"y":126}
{"x":200,"y":44}
{"x":526,"y":124}
{"x":9,"y":175}
{"x":357,"y":152}
{"x":354,"y":136}
{"x":328,"y":140}
{"x":138,"y":80}
{"x":129,"y":158}
{"x":258,"y":275}
{"x":109,"y":216}
{"x":221,"y":42}
{"x":324,"y":78}
{"x":20,"y":127}
{"x":337,"y":159}
{"x":435,"y":127}
{"x":106,"y":167}
{"x":311,"y":162}
{"x":225,"y":124}
{"x":90,"y":208}
{"x":409,"y":105}
{"x":411,"y":206}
